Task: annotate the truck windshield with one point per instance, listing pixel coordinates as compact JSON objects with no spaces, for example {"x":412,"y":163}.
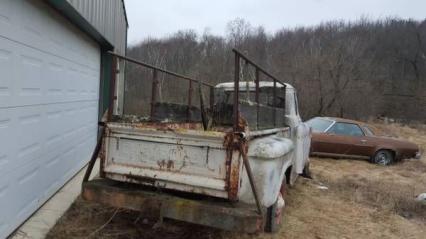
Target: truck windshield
{"x":318,"y":124}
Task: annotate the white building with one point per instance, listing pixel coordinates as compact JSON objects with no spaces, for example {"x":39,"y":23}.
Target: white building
{"x":54,"y":82}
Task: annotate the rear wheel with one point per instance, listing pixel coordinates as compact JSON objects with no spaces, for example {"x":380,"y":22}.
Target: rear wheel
{"x":383,"y":157}
{"x":274,"y":213}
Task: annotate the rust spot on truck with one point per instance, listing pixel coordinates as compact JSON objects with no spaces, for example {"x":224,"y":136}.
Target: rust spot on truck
{"x":234,"y":180}
{"x":232,"y":144}
{"x":168,"y":126}
{"x":102,"y":153}
{"x":139,"y":179}
{"x":161,"y":164}
{"x":170,"y":164}
{"x":166,"y":164}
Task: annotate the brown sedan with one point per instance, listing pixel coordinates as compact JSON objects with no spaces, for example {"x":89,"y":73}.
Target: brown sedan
{"x":336,"y":137}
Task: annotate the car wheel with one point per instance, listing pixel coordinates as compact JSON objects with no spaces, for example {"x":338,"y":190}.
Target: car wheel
{"x":383,"y":157}
{"x":274,"y":213}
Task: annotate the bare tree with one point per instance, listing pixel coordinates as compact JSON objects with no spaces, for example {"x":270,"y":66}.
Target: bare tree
{"x":352,"y":69}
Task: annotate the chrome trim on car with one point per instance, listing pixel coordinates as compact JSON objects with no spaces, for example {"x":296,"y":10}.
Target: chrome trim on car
{"x":334,"y":155}
{"x":329,"y":127}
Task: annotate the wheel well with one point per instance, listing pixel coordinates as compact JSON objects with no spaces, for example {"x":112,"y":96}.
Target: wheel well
{"x":387,"y":149}
{"x":288,"y":174}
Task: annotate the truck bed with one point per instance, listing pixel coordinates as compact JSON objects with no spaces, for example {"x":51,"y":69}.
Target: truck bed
{"x":184,"y":157}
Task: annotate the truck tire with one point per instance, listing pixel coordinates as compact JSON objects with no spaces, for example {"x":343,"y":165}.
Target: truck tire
{"x":274,"y":215}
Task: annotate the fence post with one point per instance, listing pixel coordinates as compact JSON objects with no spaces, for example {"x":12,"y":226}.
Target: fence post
{"x":188,"y":114}
{"x":274,"y":102}
{"x":211,"y":98}
{"x":154,"y":92}
{"x":236,"y":90}
{"x":257,"y":97}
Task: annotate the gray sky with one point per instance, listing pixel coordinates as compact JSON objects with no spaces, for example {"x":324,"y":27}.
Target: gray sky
{"x":158,"y":18}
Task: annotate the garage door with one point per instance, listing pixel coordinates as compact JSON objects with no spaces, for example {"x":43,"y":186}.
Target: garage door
{"x":49,"y":90}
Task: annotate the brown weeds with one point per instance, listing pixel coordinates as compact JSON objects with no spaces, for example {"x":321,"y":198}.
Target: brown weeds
{"x":380,"y":195}
{"x":363,"y":200}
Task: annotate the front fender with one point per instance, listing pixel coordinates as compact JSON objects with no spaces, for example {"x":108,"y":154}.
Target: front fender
{"x":269,"y":158}
{"x":302,"y":139}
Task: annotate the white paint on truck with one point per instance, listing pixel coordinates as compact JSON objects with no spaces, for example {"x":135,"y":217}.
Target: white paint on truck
{"x":269,"y":159}
{"x":194,"y":160}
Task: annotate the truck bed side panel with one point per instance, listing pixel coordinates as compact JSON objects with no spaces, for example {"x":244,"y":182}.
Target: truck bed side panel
{"x":186,"y":162}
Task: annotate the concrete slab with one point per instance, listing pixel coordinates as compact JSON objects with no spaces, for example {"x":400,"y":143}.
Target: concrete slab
{"x":40,"y":223}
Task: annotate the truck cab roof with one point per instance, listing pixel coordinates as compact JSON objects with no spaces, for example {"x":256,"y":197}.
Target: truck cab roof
{"x":229,"y":86}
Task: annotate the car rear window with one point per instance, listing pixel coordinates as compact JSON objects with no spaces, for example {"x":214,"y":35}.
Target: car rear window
{"x":318,"y":124}
{"x":368,"y":131}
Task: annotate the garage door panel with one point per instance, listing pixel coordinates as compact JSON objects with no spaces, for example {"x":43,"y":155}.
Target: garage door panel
{"x":49,"y":92}
{"x":43,"y":131}
{"x":42,"y":78}
{"x":39,"y":131}
{"x":40,"y":164}
{"x":31,"y":194}
{"x":7,"y":15}
{"x":30,"y":75}
{"x":43,"y":28}
{"x":6,"y":64}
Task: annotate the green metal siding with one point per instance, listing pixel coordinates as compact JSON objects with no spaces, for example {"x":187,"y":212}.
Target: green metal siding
{"x":105,"y":84}
{"x":108,"y":17}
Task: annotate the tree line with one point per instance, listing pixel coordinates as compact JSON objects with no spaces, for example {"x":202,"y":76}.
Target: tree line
{"x":360,"y":70}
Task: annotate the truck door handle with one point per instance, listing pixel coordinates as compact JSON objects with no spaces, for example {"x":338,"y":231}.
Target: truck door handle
{"x":363,"y":140}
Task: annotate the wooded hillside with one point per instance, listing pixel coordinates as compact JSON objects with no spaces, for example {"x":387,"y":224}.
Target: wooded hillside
{"x":358,"y":70}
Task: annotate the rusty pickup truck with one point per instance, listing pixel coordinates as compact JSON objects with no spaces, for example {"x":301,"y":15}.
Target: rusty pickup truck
{"x":224,"y":166}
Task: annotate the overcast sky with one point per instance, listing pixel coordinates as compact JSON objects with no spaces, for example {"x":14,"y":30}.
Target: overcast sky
{"x":158,"y":18}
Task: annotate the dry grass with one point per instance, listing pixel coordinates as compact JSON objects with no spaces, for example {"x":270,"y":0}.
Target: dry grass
{"x":363,"y":201}
{"x":92,"y":220}
{"x":381,"y":195}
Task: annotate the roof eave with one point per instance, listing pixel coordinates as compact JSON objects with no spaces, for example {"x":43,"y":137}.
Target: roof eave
{"x":69,"y":12}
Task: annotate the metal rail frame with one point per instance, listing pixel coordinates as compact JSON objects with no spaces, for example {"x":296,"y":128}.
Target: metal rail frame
{"x":155,"y":71}
{"x":258,"y":69}
{"x":241,"y":140}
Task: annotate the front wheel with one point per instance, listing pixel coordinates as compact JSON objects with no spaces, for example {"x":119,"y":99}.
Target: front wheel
{"x":383,"y":157}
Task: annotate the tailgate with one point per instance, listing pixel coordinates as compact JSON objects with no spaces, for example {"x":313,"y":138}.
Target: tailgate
{"x":184,"y":160}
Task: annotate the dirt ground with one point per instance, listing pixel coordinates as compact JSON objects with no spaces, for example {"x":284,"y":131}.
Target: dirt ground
{"x":346,"y":199}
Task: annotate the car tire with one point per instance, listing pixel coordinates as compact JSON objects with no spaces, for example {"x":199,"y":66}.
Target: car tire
{"x":383,"y":157}
{"x":273,"y":216}
{"x":306,"y":173}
